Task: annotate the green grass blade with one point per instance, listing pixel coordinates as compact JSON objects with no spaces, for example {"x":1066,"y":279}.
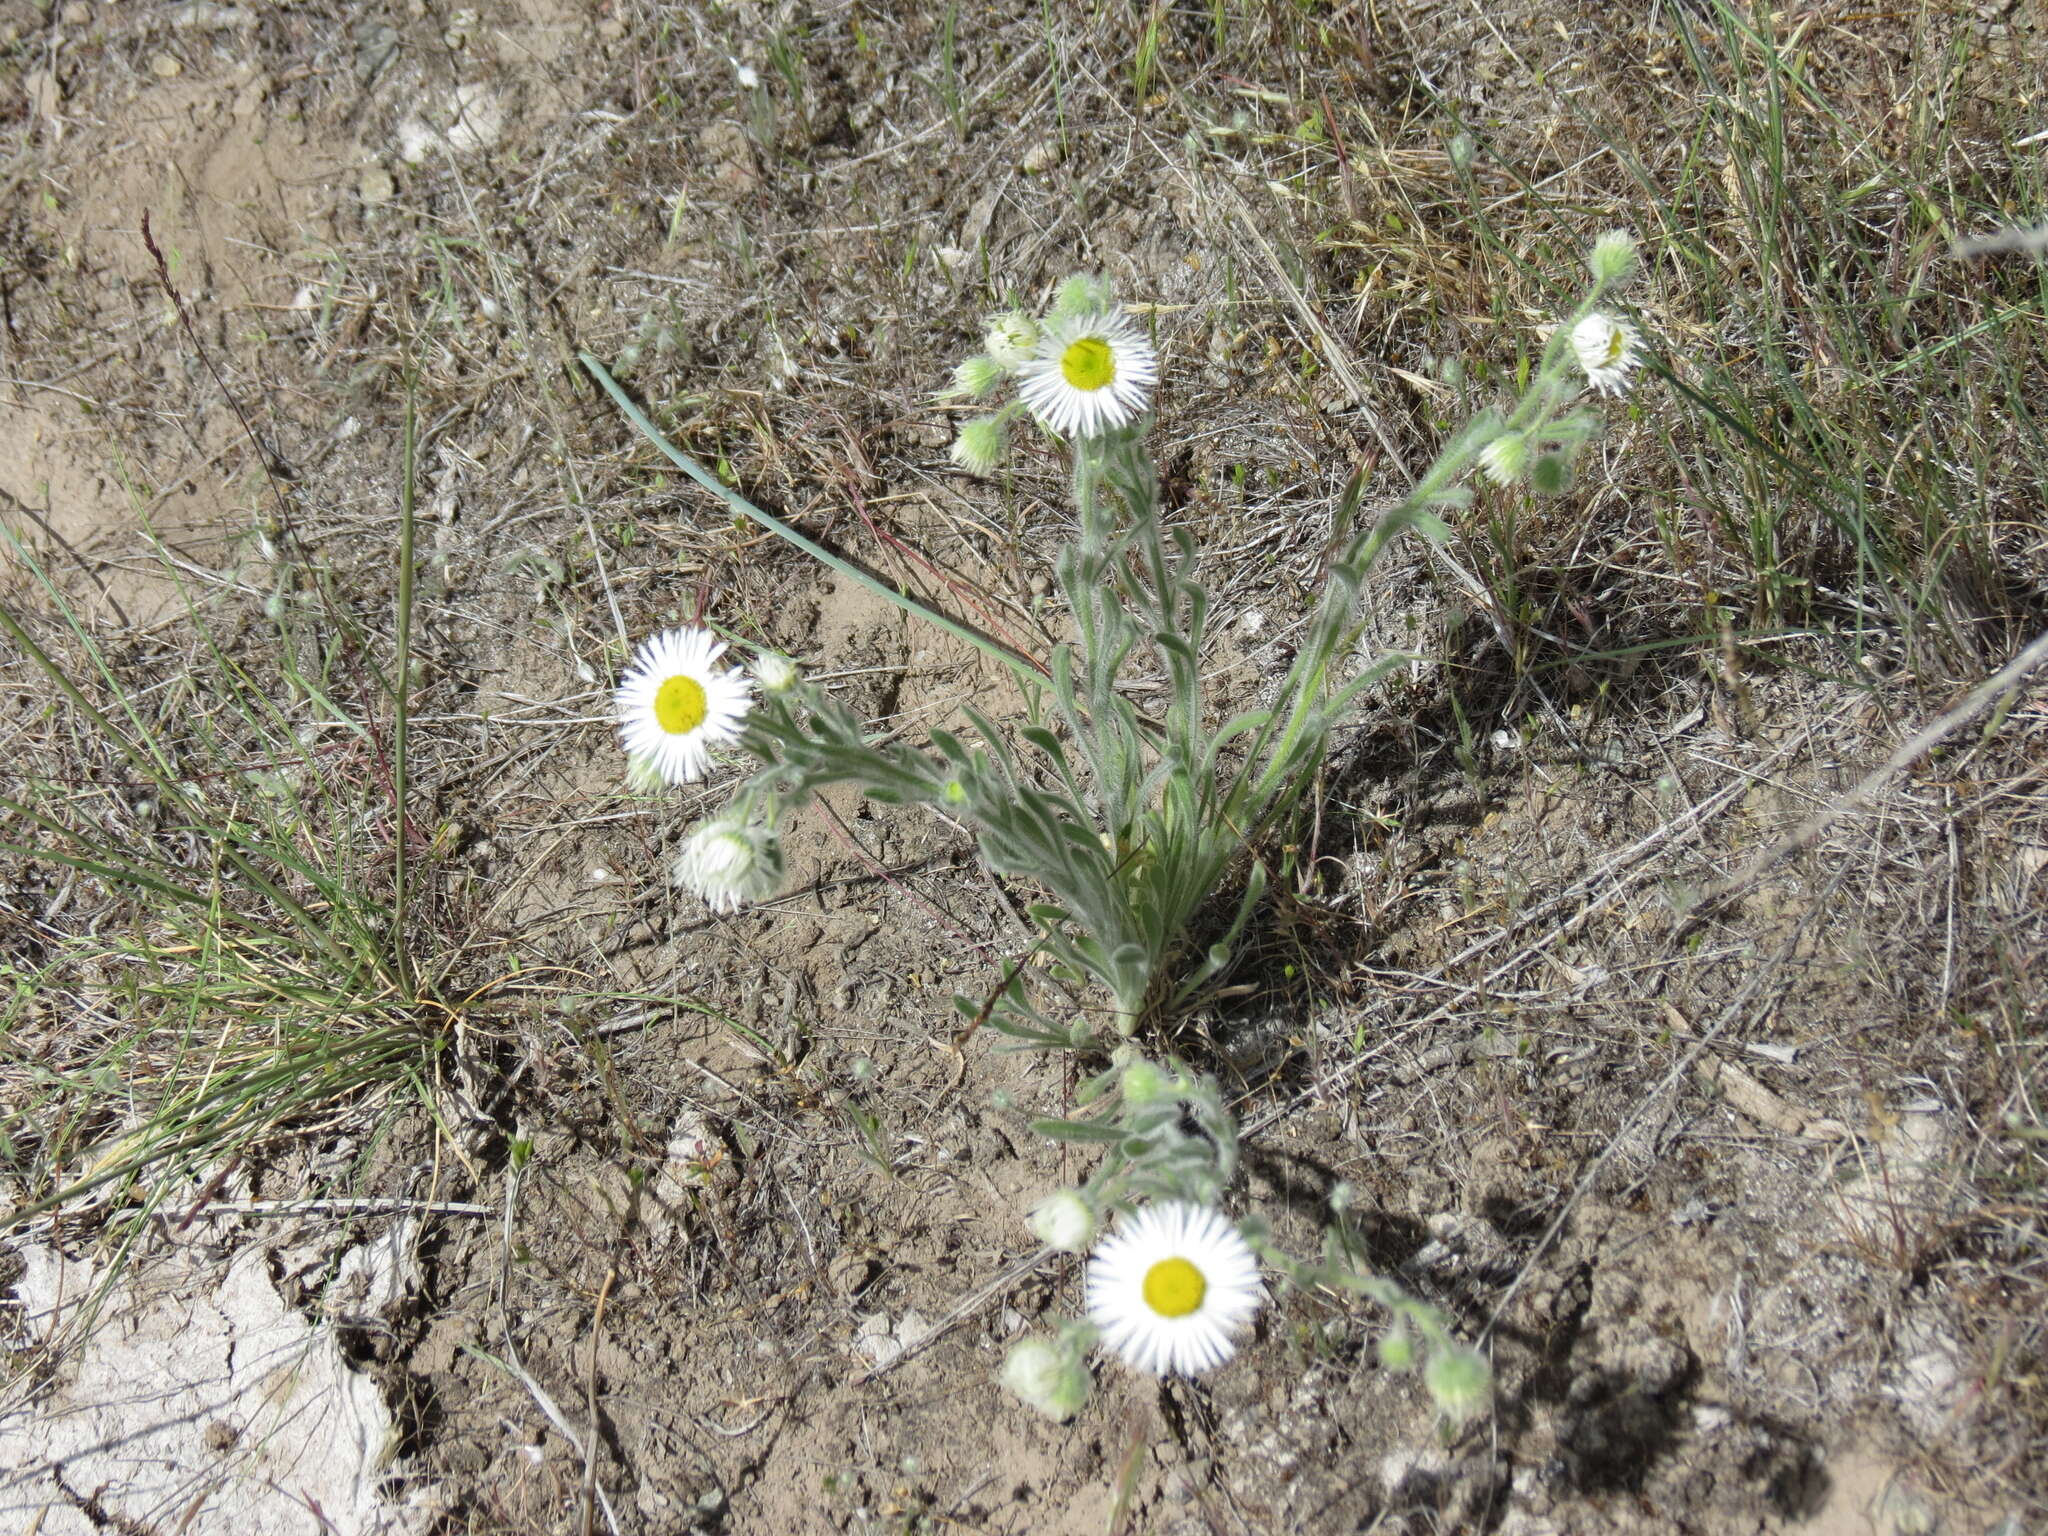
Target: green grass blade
{"x":1026,"y":670}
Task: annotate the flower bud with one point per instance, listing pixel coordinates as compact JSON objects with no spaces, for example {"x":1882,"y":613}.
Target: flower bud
{"x":1144,"y":1083}
{"x":1551,"y":475}
{"x":1459,"y":1382}
{"x":776,"y":673}
{"x":976,"y":377}
{"x":1064,"y":1220}
{"x":1614,"y":257}
{"x":1011,"y":338}
{"x":643,"y":777}
{"x":1503,"y":460}
{"x":979,"y":445}
{"x":1047,"y":1376}
{"x":1397,"y":1350}
{"x":1083,"y":294}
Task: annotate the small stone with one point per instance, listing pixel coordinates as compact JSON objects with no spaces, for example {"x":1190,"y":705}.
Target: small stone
{"x":76,"y":14}
{"x":45,"y":95}
{"x":1042,"y":156}
{"x":376,"y":46}
{"x":164,"y":66}
{"x":249,"y":99}
{"x":416,"y":141}
{"x":206,"y":15}
{"x":913,"y":1329}
{"x":376,"y":186}
{"x":479,"y":118}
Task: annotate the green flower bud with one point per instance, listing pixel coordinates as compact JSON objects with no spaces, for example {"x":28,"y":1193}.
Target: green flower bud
{"x":1145,"y":1083}
{"x":1083,"y":295}
{"x":642,"y":776}
{"x":1047,"y":1376}
{"x":979,"y":446}
{"x":1459,"y":1382}
{"x":1503,"y":460}
{"x":1064,"y":1220}
{"x":1551,"y":475}
{"x":976,"y":377}
{"x":1613,"y":259}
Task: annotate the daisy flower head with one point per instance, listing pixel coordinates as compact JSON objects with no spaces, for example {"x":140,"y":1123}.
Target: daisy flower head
{"x":675,"y":703}
{"x":1606,"y":350}
{"x":1171,"y":1286}
{"x":731,"y":861}
{"x":1092,"y":371}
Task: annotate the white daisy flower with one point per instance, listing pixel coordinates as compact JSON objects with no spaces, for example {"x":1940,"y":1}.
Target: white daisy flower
{"x":1170,"y":1287}
{"x":674,"y":704}
{"x":1606,"y":350}
{"x":1092,"y":371}
{"x":731,"y":861}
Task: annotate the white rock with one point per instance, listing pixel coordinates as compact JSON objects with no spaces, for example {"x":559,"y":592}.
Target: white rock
{"x":373,"y":1281}
{"x":199,"y":1391}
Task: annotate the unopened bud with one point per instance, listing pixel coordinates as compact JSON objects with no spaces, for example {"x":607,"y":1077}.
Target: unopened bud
{"x":1144,"y":1083}
{"x":1047,"y":1376}
{"x":1613,"y":257}
{"x":1459,"y":1382}
{"x":1064,"y":1220}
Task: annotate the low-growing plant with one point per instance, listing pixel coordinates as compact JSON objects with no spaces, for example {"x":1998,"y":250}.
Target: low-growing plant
{"x":241,"y":829}
{"x":1132,"y":825}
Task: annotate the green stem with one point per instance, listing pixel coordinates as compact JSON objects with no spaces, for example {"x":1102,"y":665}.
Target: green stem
{"x":401,"y":699}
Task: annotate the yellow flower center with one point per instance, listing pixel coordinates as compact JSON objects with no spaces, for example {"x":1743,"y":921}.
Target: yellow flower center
{"x":679,"y":705}
{"x":1617,"y":343}
{"x":1088,"y":364}
{"x":1174,"y":1287}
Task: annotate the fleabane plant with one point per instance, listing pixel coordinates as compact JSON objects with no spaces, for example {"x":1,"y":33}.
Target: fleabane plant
{"x":1131,"y":825}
